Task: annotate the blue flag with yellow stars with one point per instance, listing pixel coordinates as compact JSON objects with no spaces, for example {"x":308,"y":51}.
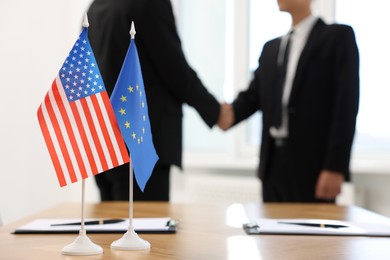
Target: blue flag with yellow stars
{"x":129,"y":102}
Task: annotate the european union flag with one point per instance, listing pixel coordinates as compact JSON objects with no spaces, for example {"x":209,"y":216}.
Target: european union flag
{"x":129,"y":102}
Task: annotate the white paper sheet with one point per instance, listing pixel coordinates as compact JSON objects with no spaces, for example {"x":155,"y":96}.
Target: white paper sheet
{"x":274,"y":226}
{"x":143,"y":225}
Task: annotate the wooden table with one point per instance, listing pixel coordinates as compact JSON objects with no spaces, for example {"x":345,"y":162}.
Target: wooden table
{"x":205,"y":232}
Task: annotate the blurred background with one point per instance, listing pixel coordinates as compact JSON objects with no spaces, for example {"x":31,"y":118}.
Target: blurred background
{"x":222,"y":40}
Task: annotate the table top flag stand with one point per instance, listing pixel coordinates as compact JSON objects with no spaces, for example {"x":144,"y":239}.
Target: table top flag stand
{"x":80,"y":129}
{"x":129,"y":102}
{"x":82,"y":245}
{"x":130,"y":240}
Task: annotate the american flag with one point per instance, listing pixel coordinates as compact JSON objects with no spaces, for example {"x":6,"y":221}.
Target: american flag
{"x":77,"y":119}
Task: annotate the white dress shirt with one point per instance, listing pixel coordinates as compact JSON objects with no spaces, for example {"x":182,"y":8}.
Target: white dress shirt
{"x":297,"y":42}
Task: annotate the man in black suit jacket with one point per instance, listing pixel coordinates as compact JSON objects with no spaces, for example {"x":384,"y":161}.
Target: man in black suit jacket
{"x":309,"y":115}
{"x":169,"y":82}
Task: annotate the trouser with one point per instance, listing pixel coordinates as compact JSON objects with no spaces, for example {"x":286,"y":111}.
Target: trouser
{"x":114,"y":184}
{"x":282,"y":182}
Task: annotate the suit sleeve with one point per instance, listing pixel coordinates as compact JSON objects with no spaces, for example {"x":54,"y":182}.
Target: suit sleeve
{"x":250,"y":100}
{"x":247,"y":102}
{"x":165,"y":52}
{"x":346,"y":101}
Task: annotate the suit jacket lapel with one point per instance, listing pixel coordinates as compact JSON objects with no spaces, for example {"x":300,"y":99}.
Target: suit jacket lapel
{"x":312,"y":41}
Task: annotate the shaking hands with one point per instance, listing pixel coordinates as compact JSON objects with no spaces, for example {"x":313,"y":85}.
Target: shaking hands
{"x":226,"y":116}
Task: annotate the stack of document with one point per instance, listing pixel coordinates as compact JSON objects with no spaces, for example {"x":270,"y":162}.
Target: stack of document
{"x":316,"y":227}
{"x":57,"y":226}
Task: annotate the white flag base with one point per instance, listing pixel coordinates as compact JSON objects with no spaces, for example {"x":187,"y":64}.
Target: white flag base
{"x":82,"y":246}
{"x":130,"y":241}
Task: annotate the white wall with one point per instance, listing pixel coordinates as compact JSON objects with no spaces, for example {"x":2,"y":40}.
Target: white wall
{"x":36,"y":37}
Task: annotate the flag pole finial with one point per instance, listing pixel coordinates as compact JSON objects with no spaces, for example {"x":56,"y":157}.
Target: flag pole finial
{"x":85,"y":21}
{"x":132,"y":30}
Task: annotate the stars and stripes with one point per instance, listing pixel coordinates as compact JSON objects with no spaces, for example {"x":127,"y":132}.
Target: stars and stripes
{"x":77,"y":119}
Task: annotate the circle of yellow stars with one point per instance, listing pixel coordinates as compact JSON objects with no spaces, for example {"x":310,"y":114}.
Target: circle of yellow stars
{"x":122,"y":111}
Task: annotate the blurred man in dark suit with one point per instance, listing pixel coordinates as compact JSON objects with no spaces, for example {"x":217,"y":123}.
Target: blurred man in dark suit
{"x":169,"y":82}
{"x":307,"y":87}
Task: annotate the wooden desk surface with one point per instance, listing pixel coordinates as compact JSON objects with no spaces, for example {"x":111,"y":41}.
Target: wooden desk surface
{"x":205,"y":232}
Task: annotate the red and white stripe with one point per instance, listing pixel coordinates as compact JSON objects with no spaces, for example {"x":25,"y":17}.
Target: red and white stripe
{"x":82,"y":137}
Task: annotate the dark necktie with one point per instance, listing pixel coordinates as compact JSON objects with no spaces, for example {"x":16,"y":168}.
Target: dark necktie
{"x":281,"y":74}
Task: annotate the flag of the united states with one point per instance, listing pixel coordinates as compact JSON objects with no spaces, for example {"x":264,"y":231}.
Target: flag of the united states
{"x":77,"y":120}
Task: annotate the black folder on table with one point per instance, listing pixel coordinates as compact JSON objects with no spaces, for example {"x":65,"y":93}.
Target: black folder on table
{"x":321,"y":227}
{"x":163,"y":225}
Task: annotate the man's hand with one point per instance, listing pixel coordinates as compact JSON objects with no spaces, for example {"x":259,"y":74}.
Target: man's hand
{"x":226,"y":116}
{"x":329,"y":184}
